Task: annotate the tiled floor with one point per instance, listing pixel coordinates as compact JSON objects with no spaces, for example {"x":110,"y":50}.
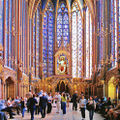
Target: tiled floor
{"x":70,"y":115}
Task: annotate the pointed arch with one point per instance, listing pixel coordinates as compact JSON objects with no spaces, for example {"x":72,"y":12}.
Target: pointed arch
{"x":89,"y":4}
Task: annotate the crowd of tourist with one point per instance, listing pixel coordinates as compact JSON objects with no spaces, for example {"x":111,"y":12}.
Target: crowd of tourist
{"x":42,"y":103}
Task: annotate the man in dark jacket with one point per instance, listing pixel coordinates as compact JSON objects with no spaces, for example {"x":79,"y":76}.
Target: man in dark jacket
{"x":32,"y":101}
{"x":43,"y":103}
{"x":74,"y":100}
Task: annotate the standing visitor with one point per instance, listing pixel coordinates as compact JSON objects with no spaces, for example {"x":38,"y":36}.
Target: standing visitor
{"x":58,"y":102}
{"x":61,"y":100}
{"x":55,"y":100}
{"x":49,"y":103}
{"x":37,"y":105}
{"x":43,"y":103}
{"x":83,"y":102}
{"x":68,"y":99}
{"x":22,"y":106}
{"x":32,"y":102}
{"x":74,"y":100}
{"x":17,"y":104}
{"x":28,"y":105}
{"x":64,"y":100}
{"x":92,"y":107}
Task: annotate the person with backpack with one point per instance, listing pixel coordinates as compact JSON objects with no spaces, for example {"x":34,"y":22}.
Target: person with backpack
{"x":74,"y":100}
{"x":43,"y":104}
{"x":91,"y":107}
{"x":32,"y":105}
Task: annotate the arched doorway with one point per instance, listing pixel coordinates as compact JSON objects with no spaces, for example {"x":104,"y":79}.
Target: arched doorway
{"x":62,"y":87}
{"x":111,"y":89}
{"x":9,"y":88}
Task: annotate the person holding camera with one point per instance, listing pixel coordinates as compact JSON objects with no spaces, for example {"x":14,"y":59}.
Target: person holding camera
{"x":91,"y":107}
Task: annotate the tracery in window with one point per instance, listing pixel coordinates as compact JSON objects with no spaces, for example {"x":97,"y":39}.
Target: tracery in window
{"x":62,"y":24}
{"x":48,"y":40}
{"x":114,"y":32}
{"x":88,"y":44}
{"x":77,"y":41}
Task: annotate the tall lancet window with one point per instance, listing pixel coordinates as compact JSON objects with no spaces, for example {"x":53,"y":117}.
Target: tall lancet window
{"x":101,"y":30}
{"x":77,"y":41}
{"x":1,"y":20}
{"x":8,"y":32}
{"x":88,"y":44}
{"x":62,"y":24}
{"x":37,"y":40}
{"x":34,"y":44}
{"x":48,"y":39}
{"x":23,"y":33}
{"x":114,"y":32}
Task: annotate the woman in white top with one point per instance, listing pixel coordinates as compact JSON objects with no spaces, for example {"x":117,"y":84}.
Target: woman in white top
{"x":9,"y":103}
{"x":83,"y":102}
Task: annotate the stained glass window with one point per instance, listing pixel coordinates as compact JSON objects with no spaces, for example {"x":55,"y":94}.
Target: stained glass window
{"x":1,"y":20}
{"x":77,"y":41}
{"x":10,"y":33}
{"x":88,"y":44}
{"x":30,"y":43}
{"x":6,"y":32}
{"x":37,"y":40}
{"x":23,"y":33}
{"x":115,"y":22}
{"x":45,"y":47}
{"x":101,"y":31}
{"x":91,"y":53}
{"x":62,"y":25}
{"x":34,"y":44}
{"x":114,"y":32}
{"x":50,"y":43}
{"x":48,"y":40}
{"x":26,"y":36}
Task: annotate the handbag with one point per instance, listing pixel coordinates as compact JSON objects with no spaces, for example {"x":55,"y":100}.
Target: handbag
{"x":90,"y":107}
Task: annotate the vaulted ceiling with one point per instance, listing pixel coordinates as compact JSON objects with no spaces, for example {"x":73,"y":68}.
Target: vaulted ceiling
{"x":34,"y":3}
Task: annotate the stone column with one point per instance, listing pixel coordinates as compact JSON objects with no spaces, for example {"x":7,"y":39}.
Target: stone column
{"x":104,"y":90}
{"x":5,"y":93}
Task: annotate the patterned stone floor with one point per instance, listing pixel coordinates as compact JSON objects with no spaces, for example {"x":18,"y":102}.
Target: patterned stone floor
{"x":70,"y":115}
